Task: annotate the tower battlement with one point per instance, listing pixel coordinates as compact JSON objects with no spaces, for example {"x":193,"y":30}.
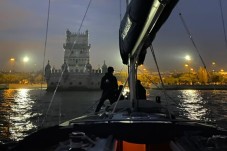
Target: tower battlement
{"x":78,"y":72}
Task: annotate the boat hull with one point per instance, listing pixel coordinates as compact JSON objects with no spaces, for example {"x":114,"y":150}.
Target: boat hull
{"x":104,"y":130}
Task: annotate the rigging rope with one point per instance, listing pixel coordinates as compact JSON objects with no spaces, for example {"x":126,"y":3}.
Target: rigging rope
{"x":223,"y":22}
{"x":63,"y":71}
{"x":119,"y":96}
{"x":120,"y":10}
{"x":160,"y":77}
{"x":193,"y":42}
{"x":150,"y":80}
{"x":45,"y":45}
{"x":196,"y":48}
{"x":84,"y":15}
{"x":190,"y":36}
{"x":75,"y":43}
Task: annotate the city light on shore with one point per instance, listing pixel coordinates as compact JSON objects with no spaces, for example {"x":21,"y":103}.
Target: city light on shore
{"x":187,"y":57}
{"x":25,"y":59}
{"x":12,"y":59}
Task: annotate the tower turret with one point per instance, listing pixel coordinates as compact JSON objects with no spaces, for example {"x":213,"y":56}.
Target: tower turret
{"x":64,"y":67}
{"x":88,"y":67}
{"x":104,"y":67}
{"x":47,"y":71}
{"x":77,"y":50}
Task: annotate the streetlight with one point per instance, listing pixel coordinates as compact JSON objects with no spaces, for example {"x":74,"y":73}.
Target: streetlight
{"x":188,"y":68}
{"x":187,"y":57}
{"x":25,"y":59}
{"x":12,"y":62}
{"x":213,"y":65}
{"x":12,"y":59}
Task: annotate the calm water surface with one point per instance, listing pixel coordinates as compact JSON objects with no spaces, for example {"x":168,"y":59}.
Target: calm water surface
{"x":22,"y":111}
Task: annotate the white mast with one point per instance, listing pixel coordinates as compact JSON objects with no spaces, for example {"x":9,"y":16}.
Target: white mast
{"x":132,"y":76}
{"x":154,"y":14}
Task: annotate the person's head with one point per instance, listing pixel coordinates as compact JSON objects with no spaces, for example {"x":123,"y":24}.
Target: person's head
{"x":110,"y":69}
{"x":138,"y":82}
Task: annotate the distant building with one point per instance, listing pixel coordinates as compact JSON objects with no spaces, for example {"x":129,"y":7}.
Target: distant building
{"x":76,"y":72}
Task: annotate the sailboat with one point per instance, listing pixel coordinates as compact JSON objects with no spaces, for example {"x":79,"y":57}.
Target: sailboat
{"x":133,"y":124}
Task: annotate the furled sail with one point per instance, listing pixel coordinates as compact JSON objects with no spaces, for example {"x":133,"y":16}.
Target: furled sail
{"x":141,"y":22}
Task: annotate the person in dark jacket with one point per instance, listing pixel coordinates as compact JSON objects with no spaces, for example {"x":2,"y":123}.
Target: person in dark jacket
{"x":109,"y":88}
{"x":140,"y":91}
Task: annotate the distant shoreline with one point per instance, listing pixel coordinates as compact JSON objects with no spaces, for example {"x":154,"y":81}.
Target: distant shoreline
{"x":192,"y":87}
{"x":27,"y":86}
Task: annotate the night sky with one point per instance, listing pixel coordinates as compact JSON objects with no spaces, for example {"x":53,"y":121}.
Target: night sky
{"x":23,"y":26}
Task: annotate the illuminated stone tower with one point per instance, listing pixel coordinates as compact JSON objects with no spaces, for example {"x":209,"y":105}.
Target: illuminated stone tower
{"x":77,"y":50}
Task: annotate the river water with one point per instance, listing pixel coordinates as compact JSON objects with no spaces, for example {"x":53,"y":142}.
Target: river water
{"x":22,"y":111}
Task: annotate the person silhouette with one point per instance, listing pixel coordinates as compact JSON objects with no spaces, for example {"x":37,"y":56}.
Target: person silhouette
{"x":109,"y":88}
{"x":140,"y":90}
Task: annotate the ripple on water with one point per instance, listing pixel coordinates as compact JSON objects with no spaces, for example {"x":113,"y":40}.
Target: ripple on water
{"x":22,"y":111}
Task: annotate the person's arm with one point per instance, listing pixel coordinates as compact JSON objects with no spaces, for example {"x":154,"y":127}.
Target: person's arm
{"x":115,"y":84}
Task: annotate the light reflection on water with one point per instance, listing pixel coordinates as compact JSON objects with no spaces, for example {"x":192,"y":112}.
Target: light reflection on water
{"x":204,"y":105}
{"x":193,"y":104}
{"x":22,"y":110}
{"x":21,"y":114}
{"x":16,"y":113}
